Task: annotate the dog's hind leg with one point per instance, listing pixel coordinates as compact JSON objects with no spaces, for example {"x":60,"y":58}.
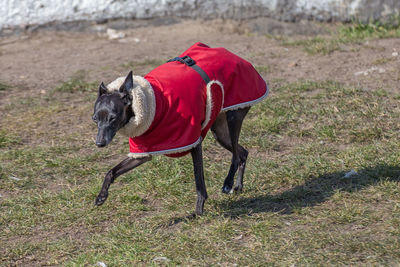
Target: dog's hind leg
{"x":123,"y":167}
{"x":226,"y":130}
{"x":197,"y":158}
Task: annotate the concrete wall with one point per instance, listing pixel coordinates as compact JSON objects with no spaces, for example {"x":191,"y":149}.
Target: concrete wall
{"x":19,"y":13}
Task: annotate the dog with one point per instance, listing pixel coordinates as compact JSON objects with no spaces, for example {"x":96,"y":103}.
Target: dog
{"x":170,"y":110}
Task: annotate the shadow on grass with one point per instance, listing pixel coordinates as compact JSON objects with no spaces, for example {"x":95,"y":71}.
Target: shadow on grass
{"x":315,"y":191}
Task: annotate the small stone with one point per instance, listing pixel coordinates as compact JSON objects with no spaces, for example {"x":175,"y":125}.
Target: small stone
{"x":101,"y":264}
{"x":370,"y":70}
{"x":350,"y":174}
{"x":160,"y":259}
{"x":113,"y":34}
{"x":42,"y":92}
{"x":129,"y":40}
{"x":395,"y":54}
{"x":239,"y":237}
{"x":15,"y":178}
{"x":360,"y":73}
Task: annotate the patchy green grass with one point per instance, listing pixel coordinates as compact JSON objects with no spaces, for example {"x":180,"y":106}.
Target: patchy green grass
{"x":4,"y":86}
{"x":298,"y":206}
{"x":7,"y":140}
{"x":316,"y":45}
{"x":262,"y":69}
{"x":142,"y":67}
{"x":347,"y":34}
{"x":362,"y":31}
{"x":76,"y":84}
{"x":383,"y":60}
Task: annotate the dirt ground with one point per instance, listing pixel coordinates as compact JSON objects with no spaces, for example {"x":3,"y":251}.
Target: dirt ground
{"x":42,"y":60}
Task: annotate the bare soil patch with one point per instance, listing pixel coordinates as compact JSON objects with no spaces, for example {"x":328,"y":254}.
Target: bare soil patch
{"x":40,"y":61}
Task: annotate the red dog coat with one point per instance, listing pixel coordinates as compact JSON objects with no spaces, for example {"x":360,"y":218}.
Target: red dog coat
{"x":186,"y":107}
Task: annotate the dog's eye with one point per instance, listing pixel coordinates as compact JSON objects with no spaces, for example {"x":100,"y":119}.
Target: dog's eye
{"x":112,"y":119}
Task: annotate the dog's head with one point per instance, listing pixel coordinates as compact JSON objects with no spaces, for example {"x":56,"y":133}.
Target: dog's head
{"x":112,"y":110}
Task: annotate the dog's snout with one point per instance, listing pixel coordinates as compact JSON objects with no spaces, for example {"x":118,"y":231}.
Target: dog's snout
{"x":104,"y":136}
{"x":100,"y":140}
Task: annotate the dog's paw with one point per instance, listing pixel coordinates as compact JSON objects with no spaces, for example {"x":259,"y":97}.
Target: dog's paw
{"x":227,"y":189}
{"x":238,"y":188}
{"x":100,"y":199}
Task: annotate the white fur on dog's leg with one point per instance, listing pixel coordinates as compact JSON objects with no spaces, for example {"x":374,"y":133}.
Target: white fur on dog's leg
{"x":225,"y":191}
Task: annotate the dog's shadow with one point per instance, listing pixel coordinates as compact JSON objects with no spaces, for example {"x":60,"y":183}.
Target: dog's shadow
{"x":314,"y":191}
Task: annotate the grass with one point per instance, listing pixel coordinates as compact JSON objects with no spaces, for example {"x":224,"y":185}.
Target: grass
{"x":297,"y":207}
{"x":382,"y":61}
{"x":348,"y":34}
{"x":76,"y":84}
{"x":262,"y":69}
{"x":7,"y":140}
{"x":4,"y":86}
{"x":142,"y":67}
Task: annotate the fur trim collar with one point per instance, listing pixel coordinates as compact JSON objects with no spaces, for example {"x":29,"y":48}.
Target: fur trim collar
{"x":143,"y":105}
{"x":209,"y":102}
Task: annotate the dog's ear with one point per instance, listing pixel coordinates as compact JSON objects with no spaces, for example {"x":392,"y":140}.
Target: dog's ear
{"x":127,"y":99}
{"x":127,"y":86}
{"x":102,"y":90}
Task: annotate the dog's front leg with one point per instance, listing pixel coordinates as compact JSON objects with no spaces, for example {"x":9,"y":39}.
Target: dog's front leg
{"x":199,"y":178}
{"x":123,"y":167}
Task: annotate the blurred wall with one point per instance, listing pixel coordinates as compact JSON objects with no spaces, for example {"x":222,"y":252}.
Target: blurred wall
{"x":19,"y":13}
